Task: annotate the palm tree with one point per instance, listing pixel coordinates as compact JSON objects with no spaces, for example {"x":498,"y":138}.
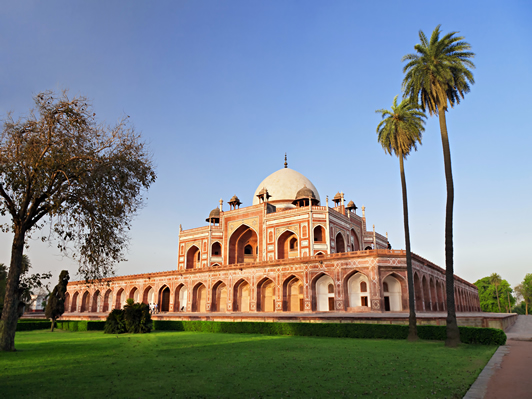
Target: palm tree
{"x":436,"y":77}
{"x":495,"y":280}
{"x":398,"y":132}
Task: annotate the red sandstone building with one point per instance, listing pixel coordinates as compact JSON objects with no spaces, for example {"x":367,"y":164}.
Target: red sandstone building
{"x":285,"y":253}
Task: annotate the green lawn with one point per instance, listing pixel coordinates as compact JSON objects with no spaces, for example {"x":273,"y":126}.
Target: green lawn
{"x":192,"y":365}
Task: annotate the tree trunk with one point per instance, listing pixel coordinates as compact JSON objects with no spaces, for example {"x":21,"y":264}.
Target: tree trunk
{"x":412,"y":329}
{"x":8,"y":324}
{"x":453,"y":333}
{"x":53,"y":325}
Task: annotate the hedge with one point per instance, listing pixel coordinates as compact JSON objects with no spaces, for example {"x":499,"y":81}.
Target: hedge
{"x":468,"y":335}
{"x":81,"y":325}
{"x":29,"y":325}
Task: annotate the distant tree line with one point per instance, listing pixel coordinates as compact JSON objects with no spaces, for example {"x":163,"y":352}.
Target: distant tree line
{"x":496,"y":294}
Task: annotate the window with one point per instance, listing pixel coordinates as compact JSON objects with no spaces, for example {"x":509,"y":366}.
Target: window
{"x":363,"y":287}
{"x":293,"y":243}
{"x":364,"y":301}
{"x":385,"y":287}
{"x":248,"y":250}
{"x":331,"y":289}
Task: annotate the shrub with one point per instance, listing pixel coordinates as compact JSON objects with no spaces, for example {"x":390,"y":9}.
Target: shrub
{"x":81,"y":325}
{"x":134,"y":318}
{"x":469,"y":335}
{"x":29,"y":325}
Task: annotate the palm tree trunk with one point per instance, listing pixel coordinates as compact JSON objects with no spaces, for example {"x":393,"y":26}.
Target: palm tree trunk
{"x":453,"y":333}
{"x":8,"y":324}
{"x":412,"y":329}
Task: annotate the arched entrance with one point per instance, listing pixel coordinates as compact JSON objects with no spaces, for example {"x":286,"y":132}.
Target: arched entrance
{"x":324,"y":291}
{"x":107,"y":300}
{"x":193,"y":258}
{"x":74,"y":305}
{"x":433,"y":295}
{"x":293,"y":295}
{"x":287,"y":245}
{"x":355,"y":246}
{"x":418,"y":291}
{"x":199,"y":298}
{"x":266,"y":295}
{"x":96,"y":302}
{"x":219,"y":297}
{"x":358,"y":290}
{"x":164,"y":299}
{"x":340,"y":243}
{"x":319,"y":234}
{"x":243,"y":245}
{"x":120,"y":298}
{"x":134,"y":294}
{"x":84,"y":302}
{"x":392,"y":292}
{"x":180,"y":299}
{"x":426,"y":294}
{"x":149,"y":295}
{"x":67,"y":302}
{"x":241,"y":296}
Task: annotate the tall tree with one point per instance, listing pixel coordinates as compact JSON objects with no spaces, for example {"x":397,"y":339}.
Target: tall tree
{"x":524,"y":290}
{"x":495,"y":280}
{"x":85,"y":180}
{"x":3,"y":278}
{"x":487,"y":293}
{"x":55,"y":306}
{"x":398,"y":132}
{"x":436,"y":77}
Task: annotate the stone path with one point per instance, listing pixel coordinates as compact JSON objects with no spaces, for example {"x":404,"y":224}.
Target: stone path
{"x":507,"y":374}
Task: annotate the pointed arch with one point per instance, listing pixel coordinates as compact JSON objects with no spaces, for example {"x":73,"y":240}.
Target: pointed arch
{"x":287,"y":245}
{"x":355,"y":243}
{"x":148,"y":296}
{"x":67,"y":302}
{"x":356,"y":285}
{"x":433,"y":295}
{"x":85,"y":302}
{"x":319,"y":234}
{"x":120,"y":298}
{"x":426,"y":293}
{"x":393,"y":295}
{"x":266,"y":295}
{"x":180,"y":299}
{"x":322,"y":293}
{"x":96,"y":302}
{"x":241,"y":296}
{"x":163,"y":299}
{"x":339,"y":243}
{"x":418,"y":292}
{"x":219,"y":297}
{"x":216,"y":249}
{"x":293,"y":294}
{"x":74,"y":305}
{"x":199,"y":298}
{"x":193,"y":259}
{"x":107,"y":300}
{"x":134,"y":294}
{"x":242,"y":237}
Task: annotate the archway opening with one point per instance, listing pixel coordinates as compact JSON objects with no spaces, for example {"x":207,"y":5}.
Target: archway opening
{"x":199,"y":298}
{"x":392,"y":292}
{"x":324,"y":291}
{"x":355,"y":246}
{"x":120,"y":298}
{"x":243,"y":245}
{"x":433,"y":295}
{"x":219,"y":297}
{"x":357,"y":291}
{"x":85,"y":302}
{"x":319,"y":234}
{"x":107,"y":300}
{"x":287,"y":245}
{"x":340,"y":243}
{"x":193,"y":258}
{"x":134,"y":294}
{"x":426,"y":294}
{"x":96,"y":302}
{"x":216,"y":249}
{"x":293,"y":300}
{"x":164,"y":299}
{"x":241,"y":296}
{"x":149,"y":295}
{"x":180,"y":299}
{"x":266,"y":295}
{"x":418,"y":291}
{"x":74,"y":305}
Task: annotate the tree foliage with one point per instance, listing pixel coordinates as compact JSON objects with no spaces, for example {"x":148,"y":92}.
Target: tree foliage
{"x":55,"y":306}
{"x":82,"y":180}
{"x":524,"y":291}
{"x":437,"y":76}
{"x":488,"y":291}
{"x":398,"y":132}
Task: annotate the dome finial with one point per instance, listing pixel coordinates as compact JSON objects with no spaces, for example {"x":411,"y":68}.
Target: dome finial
{"x":285,"y":162}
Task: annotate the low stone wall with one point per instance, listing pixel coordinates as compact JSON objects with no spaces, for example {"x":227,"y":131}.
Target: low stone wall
{"x":502,"y":321}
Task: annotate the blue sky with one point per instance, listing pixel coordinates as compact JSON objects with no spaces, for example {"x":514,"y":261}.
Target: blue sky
{"x":222,"y":89}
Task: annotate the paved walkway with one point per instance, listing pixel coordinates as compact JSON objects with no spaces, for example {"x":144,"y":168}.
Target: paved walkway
{"x":507,"y":374}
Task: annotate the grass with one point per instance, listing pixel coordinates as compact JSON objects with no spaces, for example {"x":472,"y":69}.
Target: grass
{"x":197,"y":365}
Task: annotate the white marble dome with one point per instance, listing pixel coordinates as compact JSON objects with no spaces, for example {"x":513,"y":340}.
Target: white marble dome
{"x":284,"y":185}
